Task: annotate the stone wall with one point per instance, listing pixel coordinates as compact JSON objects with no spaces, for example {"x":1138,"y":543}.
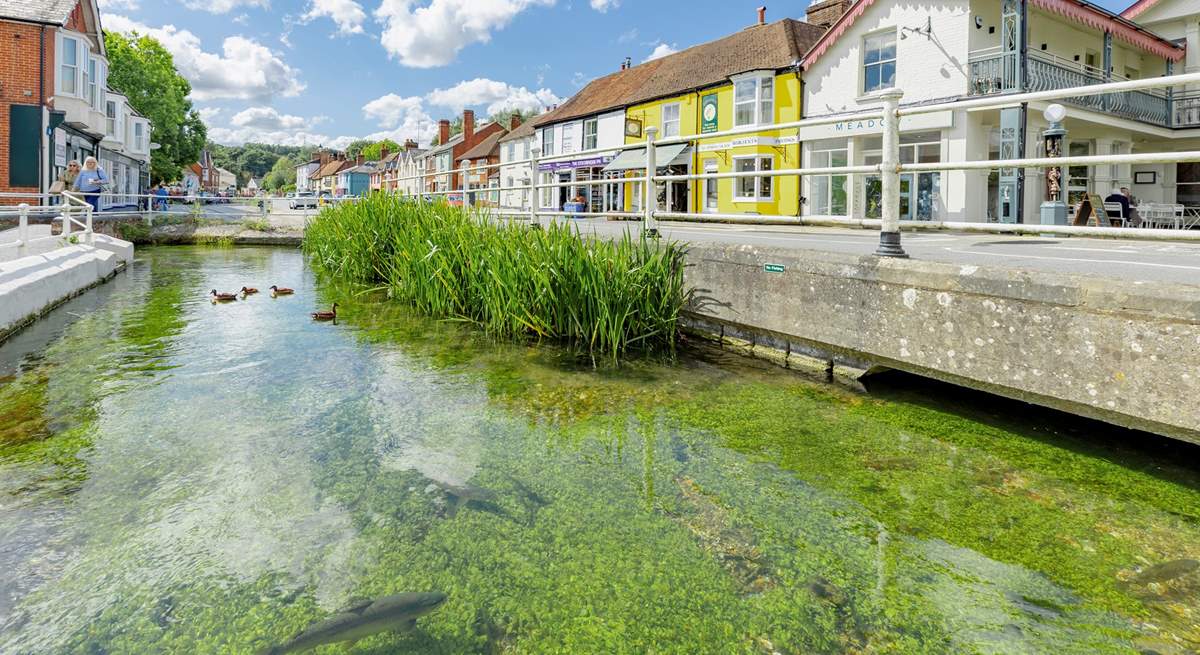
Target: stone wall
{"x":1117,"y":351}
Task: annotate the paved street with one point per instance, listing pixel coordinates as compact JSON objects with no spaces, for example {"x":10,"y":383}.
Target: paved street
{"x":1129,"y":260}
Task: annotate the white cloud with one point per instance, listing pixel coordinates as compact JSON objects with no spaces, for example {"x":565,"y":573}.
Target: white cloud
{"x":236,"y":136}
{"x":661,"y":50}
{"x":244,"y":70}
{"x":347,"y":14}
{"x":426,"y":36}
{"x":604,"y":5}
{"x":496,"y":96}
{"x":268,"y":119}
{"x":628,"y":35}
{"x":401,"y":117}
{"x":110,"y":5}
{"x":208,"y":114}
{"x":223,"y":6}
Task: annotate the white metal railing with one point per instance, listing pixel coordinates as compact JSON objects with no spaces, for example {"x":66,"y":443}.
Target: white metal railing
{"x":888,"y":170}
{"x":67,"y":212}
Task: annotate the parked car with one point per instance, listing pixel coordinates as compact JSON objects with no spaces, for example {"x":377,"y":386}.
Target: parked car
{"x":303,"y":200}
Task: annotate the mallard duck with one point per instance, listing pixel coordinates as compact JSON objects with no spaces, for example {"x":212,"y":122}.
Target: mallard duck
{"x":281,"y":291}
{"x":222,"y":297}
{"x":326,"y":316}
{"x":248,"y":290}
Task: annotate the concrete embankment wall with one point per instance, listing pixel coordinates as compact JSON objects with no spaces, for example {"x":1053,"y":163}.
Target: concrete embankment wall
{"x":1123,"y":352}
{"x":32,"y":285}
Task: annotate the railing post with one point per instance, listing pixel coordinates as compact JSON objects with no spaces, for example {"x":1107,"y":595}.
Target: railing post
{"x":889,"y":172}
{"x":88,"y":230}
{"x":23,"y":230}
{"x":462,"y":184}
{"x":534,"y":153}
{"x":66,"y":220}
{"x":650,"y":197}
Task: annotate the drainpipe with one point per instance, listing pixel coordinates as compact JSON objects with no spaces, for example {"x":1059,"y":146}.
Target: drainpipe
{"x":44,"y":162}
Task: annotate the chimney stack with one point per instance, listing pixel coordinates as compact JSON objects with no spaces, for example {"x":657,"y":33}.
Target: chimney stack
{"x":468,"y":125}
{"x":383,"y":153}
{"x":514,"y":122}
{"x":628,"y":63}
{"x":443,"y":132}
{"x":358,"y":161}
{"x":824,"y":13}
{"x":323,"y":156}
{"x":762,"y":15}
{"x":410,"y":145}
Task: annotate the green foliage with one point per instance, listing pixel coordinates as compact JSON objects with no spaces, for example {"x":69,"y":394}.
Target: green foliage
{"x":259,"y":160}
{"x":282,"y":173}
{"x":374,"y":151}
{"x":142,"y":69}
{"x":134,"y":232}
{"x":606,"y":297}
{"x":505,"y":117}
{"x":356,"y":147}
{"x":257,"y":224}
{"x":456,"y":127}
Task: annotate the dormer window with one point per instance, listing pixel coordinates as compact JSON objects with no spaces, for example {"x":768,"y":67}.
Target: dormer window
{"x":754,"y":100}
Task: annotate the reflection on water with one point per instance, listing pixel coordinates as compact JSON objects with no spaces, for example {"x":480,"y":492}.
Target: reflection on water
{"x":178,"y":476}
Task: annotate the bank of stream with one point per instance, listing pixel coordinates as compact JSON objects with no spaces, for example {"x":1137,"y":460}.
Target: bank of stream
{"x":178,"y":476}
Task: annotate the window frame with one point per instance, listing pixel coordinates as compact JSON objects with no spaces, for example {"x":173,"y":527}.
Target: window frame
{"x":762,"y":105}
{"x":139,"y":136}
{"x":78,"y":44}
{"x":110,"y":120}
{"x":865,"y":65}
{"x":548,"y":142}
{"x":758,"y":181}
{"x":677,"y":121}
{"x":591,"y":133}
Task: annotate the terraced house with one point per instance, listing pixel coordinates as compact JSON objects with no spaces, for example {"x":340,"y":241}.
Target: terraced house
{"x":747,"y":80}
{"x":55,"y":104}
{"x":963,"y":49}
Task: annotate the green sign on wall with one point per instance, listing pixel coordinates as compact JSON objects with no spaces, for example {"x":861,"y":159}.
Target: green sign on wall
{"x":708,"y":113}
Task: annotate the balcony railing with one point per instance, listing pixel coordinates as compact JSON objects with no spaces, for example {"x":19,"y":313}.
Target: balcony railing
{"x":995,"y":72}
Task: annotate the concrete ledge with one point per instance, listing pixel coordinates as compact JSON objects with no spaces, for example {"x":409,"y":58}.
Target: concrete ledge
{"x":1124,"y":353}
{"x":31,"y":286}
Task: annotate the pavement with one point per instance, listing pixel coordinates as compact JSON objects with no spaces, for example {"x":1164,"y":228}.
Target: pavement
{"x":1127,"y":260}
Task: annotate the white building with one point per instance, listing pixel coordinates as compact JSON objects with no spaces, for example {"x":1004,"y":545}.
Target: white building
{"x":409,"y":165}
{"x":124,"y":152}
{"x":226,"y":180}
{"x":574,"y":128}
{"x":516,"y":146}
{"x":304,"y":172}
{"x":953,"y":50}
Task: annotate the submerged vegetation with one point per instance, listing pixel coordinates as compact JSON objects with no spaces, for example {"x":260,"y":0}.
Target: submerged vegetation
{"x":605,"y":297}
{"x":172,"y":482}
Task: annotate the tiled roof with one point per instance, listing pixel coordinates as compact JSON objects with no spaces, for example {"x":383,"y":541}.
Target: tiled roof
{"x":330,"y":167}
{"x":523,"y":131}
{"x":438,"y":149}
{"x":53,"y":12}
{"x":483,"y":149}
{"x":773,"y":46}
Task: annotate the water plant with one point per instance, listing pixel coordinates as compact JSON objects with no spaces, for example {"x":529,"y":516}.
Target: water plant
{"x":603,"y":296}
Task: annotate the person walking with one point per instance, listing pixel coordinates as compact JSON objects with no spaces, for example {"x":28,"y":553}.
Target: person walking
{"x":66,"y":181}
{"x":91,"y":181}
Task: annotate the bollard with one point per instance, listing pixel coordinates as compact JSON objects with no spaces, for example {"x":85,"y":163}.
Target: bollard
{"x":889,"y":172}
{"x":23,"y":230}
{"x":649,"y":225}
{"x":534,"y":153}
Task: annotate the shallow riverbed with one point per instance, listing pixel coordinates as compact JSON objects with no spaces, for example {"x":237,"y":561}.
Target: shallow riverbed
{"x":183,"y":477}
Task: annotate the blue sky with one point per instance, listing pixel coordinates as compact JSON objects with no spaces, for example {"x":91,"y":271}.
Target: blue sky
{"x":327,"y":71}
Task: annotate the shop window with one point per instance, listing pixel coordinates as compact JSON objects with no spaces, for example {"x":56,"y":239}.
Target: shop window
{"x":754,"y":101}
{"x":827,"y":193}
{"x":590,"y":131}
{"x":879,"y":62}
{"x":1187,"y":184}
{"x":670,"y":119}
{"x":753,"y":189}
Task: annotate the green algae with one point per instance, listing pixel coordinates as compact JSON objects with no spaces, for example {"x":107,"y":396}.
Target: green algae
{"x":242,"y":472}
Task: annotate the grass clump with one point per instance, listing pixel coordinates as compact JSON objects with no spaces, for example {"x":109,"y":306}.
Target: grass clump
{"x":604,"y":296}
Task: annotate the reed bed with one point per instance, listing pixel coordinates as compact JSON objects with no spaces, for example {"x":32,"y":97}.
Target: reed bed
{"x":607,"y":297}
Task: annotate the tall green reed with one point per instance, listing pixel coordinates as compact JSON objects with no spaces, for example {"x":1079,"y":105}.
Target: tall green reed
{"x":606,"y":296}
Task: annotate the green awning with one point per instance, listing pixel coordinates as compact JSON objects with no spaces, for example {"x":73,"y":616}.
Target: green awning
{"x":635,"y":158}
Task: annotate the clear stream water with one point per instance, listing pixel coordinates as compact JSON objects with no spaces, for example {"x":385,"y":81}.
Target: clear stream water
{"x":183,"y":477}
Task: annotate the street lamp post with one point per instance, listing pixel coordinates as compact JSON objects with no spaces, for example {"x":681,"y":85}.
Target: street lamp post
{"x":1054,"y":208}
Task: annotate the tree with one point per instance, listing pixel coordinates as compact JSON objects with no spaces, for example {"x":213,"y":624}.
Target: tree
{"x":505,"y":117}
{"x":281,"y":174}
{"x":142,"y":69}
{"x":374,"y":152}
{"x":356,"y":147}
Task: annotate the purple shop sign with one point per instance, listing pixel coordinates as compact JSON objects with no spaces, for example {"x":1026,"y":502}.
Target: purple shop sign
{"x":574,"y":163}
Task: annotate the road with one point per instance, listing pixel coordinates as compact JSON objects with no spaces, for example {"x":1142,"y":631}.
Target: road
{"x":1126,"y":260}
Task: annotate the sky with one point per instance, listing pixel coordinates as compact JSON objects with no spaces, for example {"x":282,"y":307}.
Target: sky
{"x":325,"y":72}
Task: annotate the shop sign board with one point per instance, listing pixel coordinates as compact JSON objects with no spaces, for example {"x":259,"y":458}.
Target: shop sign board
{"x":60,"y":147}
{"x":574,"y":163}
{"x":872,"y":126}
{"x":708,"y":114}
{"x":740,"y":142}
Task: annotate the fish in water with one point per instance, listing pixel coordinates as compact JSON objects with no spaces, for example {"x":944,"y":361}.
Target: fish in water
{"x":398,"y":612}
{"x":1166,"y":571}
